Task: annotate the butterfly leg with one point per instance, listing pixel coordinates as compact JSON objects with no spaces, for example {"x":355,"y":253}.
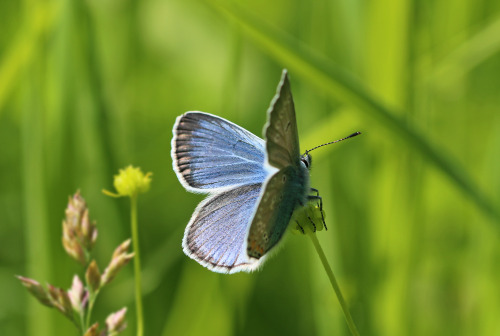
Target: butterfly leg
{"x":300,"y":227}
{"x":320,"y":203}
{"x":313,"y":224}
{"x":317,"y":197}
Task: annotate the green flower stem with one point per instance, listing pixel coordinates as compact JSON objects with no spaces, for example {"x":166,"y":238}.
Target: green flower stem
{"x":81,"y":327}
{"x":92,"y":298}
{"x":137,"y":265}
{"x":335,"y":285}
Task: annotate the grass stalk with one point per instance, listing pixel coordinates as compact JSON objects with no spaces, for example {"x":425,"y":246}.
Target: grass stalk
{"x":36,"y":227}
{"x":335,"y":285}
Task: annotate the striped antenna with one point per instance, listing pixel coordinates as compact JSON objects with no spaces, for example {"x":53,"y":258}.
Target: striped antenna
{"x":329,"y":143}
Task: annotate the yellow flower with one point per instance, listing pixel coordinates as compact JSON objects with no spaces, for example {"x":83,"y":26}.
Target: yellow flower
{"x":308,"y":218}
{"x":130,"y":182}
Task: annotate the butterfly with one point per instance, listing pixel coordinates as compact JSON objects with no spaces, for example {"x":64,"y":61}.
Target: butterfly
{"x":254,"y":186}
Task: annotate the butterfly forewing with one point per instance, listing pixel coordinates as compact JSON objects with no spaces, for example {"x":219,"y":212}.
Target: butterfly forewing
{"x":211,"y":153}
{"x":282,"y":140}
{"x":216,"y":234}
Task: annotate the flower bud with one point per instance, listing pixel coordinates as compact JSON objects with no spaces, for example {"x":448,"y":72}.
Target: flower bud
{"x":36,"y":290}
{"x":93,"y":276}
{"x":119,"y":259}
{"x":116,"y":264}
{"x":93,"y":330}
{"x":115,"y":322}
{"x":77,"y":295}
{"x":122,"y":248}
{"x":88,"y":231}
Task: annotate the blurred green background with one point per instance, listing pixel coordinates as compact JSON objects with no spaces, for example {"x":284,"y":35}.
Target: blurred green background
{"x":412,"y":205}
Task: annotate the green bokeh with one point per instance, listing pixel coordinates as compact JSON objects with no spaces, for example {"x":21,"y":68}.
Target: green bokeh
{"x":412,"y":205}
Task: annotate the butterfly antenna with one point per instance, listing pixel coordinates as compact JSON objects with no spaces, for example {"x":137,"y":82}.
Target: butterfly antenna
{"x":329,"y":143}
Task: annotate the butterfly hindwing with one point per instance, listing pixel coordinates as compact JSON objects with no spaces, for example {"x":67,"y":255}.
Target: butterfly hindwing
{"x":216,"y":234}
{"x":282,"y":194}
{"x":211,"y":153}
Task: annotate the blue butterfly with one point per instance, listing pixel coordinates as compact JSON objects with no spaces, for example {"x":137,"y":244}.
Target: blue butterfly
{"x":254,"y":186}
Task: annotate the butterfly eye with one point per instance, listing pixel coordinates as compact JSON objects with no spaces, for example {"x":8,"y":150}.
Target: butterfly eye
{"x":306,"y":159}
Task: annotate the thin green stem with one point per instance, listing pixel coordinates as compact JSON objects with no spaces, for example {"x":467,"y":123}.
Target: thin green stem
{"x":137,"y":265}
{"x":335,"y":285}
{"x":82,"y":322}
{"x":92,"y":298}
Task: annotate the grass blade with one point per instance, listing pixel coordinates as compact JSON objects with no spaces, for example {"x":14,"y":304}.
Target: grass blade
{"x":345,"y":88}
